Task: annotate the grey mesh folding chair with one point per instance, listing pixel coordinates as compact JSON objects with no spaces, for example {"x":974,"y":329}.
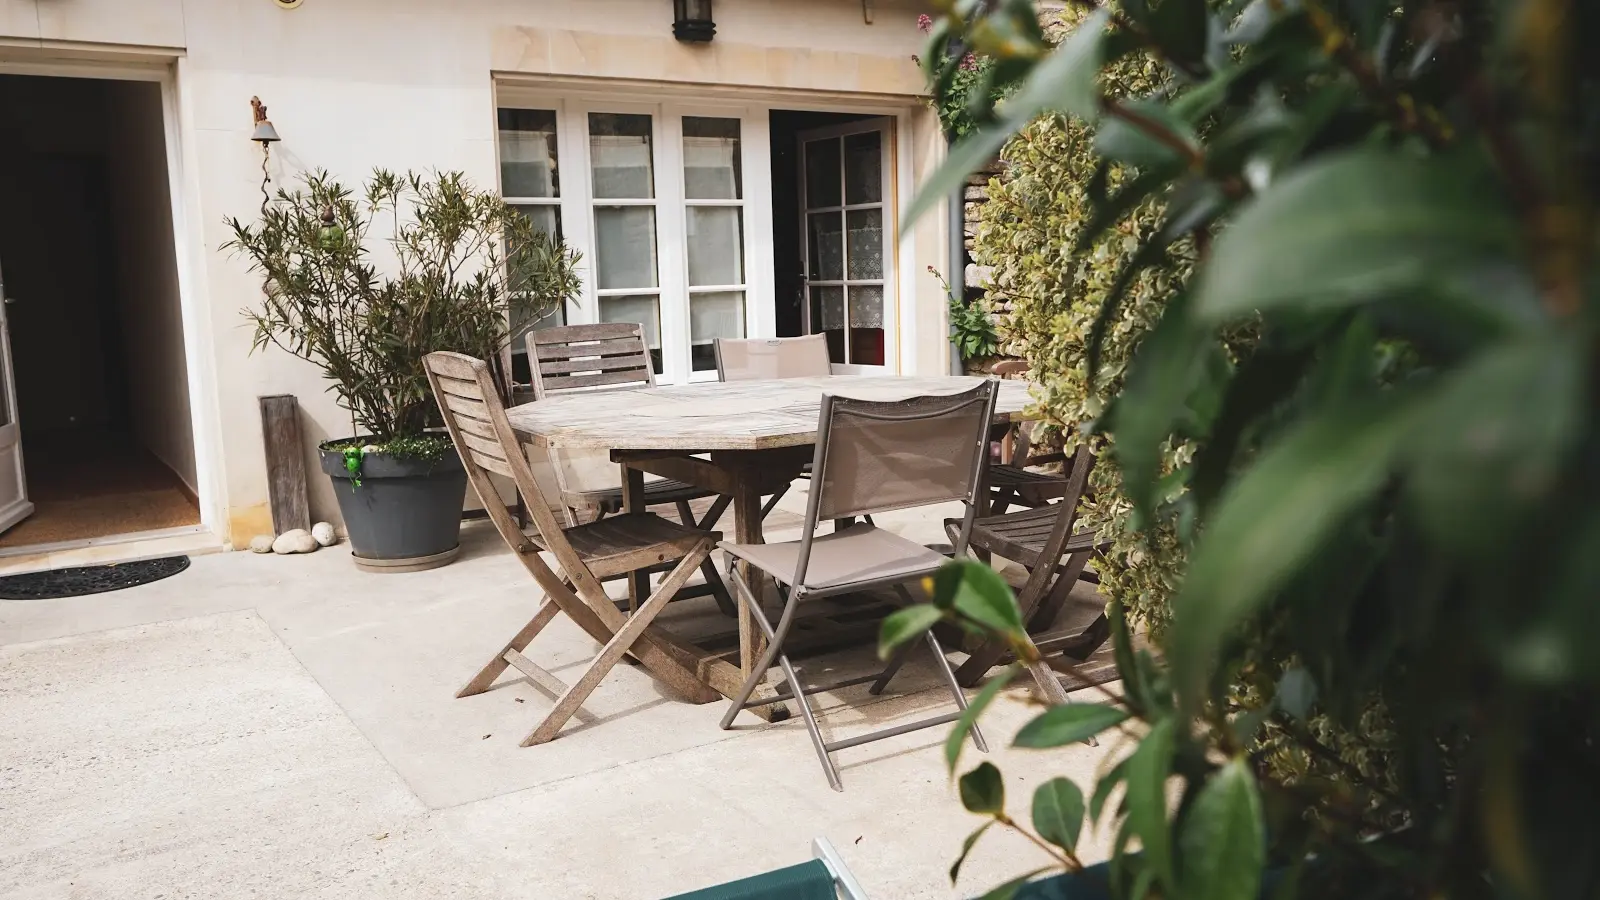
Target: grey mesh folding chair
{"x":748,"y":359}
{"x":871,"y":457}
{"x":611,"y":356}
{"x":586,"y":554}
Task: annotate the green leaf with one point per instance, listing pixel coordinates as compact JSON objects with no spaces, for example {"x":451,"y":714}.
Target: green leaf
{"x":1103,"y":788}
{"x":1161,"y":377}
{"x":966,"y":848}
{"x":1180,"y":28}
{"x":1358,"y":226}
{"x":906,"y":625}
{"x":1114,"y":209}
{"x":1296,"y":692}
{"x":978,"y":593}
{"x":1065,"y":81}
{"x":1148,"y":769}
{"x":1245,"y":725}
{"x":963,"y":726}
{"x":1277,"y":513}
{"x":983,"y":791}
{"x":1224,"y":838}
{"x":1128,"y":143}
{"x":1260,"y":382}
{"x":1488,"y":452}
{"x":1009,"y":890}
{"x":1058,"y":812}
{"x":1122,"y":654}
{"x":1148,"y":254}
{"x":1068,"y":724}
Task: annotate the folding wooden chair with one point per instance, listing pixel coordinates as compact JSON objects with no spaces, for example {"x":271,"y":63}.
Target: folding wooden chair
{"x":1018,"y":482}
{"x":1013,"y":479}
{"x":612,"y":356}
{"x":870,"y":457}
{"x":1045,"y":542}
{"x":586,"y":554}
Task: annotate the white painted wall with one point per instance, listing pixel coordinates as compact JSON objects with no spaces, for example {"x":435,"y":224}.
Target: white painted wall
{"x":353,"y":84}
{"x":147,"y":275}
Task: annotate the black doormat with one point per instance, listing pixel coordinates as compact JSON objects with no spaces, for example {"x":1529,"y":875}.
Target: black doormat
{"x":89,"y":579}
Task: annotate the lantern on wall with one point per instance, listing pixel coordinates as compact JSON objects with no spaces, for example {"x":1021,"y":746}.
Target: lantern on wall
{"x":691,"y":21}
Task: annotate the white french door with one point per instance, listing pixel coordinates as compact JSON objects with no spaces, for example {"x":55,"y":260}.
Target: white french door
{"x":847,"y":235}
{"x":14,"y":505}
{"x":667,"y":204}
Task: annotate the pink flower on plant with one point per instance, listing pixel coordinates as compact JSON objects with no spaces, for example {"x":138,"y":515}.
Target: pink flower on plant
{"x":924,"y":23}
{"x":969,"y":63}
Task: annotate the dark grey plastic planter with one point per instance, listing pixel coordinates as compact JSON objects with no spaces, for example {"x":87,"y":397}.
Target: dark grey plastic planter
{"x":405,"y":516}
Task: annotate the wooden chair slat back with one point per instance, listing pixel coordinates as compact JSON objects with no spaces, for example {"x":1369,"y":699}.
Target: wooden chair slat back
{"x":1077,"y":482}
{"x":576,"y":357}
{"x":473,"y":413}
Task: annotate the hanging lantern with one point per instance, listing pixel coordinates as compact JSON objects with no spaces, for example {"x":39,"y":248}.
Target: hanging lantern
{"x":691,"y":21}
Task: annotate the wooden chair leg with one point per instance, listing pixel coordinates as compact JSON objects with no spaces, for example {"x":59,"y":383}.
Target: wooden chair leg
{"x":1083,"y":644}
{"x":615,"y":648}
{"x":1051,"y":606}
{"x":714,"y":514}
{"x":1001,"y":501}
{"x":486,"y":676}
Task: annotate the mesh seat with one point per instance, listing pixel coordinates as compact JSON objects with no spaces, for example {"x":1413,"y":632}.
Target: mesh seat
{"x":871,"y":457}
{"x":858,"y":554}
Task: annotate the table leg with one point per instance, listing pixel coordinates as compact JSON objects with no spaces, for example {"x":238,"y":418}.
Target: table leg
{"x":633,"y":502}
{"x":747,"y":530}
{"x":752,"y":643}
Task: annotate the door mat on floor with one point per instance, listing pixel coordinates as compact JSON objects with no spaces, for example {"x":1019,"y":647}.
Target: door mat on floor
{"x":89,"y":579}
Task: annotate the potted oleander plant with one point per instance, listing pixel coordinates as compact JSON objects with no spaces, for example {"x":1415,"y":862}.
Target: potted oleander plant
{"x":364,"y":286}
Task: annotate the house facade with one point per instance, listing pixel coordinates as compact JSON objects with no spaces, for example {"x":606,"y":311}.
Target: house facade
{"x":751,"y":185}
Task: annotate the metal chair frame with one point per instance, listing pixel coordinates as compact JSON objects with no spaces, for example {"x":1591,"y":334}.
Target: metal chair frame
{"x":799,"y":591}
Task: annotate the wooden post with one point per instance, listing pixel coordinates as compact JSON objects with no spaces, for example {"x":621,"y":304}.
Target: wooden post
{"x":286,"y":467}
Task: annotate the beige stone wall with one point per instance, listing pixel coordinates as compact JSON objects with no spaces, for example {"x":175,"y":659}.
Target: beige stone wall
{"x":353,"y":84}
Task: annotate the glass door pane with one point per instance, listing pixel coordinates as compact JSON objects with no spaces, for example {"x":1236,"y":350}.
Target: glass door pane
{"x":847,"y":267}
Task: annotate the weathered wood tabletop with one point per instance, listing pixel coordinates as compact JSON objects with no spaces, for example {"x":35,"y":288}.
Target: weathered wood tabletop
{"x":753,"y":437}
{"x":714,"y":415}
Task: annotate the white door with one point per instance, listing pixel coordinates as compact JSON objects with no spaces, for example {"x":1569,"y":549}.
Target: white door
{"x":14,"y":505}
{"x":847,"y":234}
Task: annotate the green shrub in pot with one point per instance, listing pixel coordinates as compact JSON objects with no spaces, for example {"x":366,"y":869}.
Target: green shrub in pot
{"x":364,"y":286}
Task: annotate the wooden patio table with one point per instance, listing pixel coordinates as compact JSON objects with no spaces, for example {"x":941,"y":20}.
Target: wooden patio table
{"x":741,"y":439}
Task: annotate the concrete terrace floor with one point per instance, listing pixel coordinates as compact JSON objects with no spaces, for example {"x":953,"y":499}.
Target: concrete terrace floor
{"x":269,"y":727}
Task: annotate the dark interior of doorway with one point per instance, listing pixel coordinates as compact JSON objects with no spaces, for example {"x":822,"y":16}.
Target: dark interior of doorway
{"x":788,"y":266}
{"x":86,"y":250}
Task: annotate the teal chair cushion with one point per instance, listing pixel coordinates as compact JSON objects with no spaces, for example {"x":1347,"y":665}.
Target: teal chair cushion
{"x":807,"y":881}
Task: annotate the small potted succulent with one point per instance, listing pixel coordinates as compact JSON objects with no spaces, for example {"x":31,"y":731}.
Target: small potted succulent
{"x":364,"y":286}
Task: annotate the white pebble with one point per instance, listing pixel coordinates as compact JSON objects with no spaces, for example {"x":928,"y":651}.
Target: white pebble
{"x":298,"y":540}
{"x":261,"y":543}
{"x":324,"y":534}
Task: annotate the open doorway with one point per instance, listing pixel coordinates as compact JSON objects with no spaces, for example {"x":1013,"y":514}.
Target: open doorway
{"x":833,"y":254}
{"x":96,"y":392}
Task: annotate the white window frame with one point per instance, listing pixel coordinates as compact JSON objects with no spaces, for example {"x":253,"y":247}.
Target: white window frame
{"x":572,"y":104}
